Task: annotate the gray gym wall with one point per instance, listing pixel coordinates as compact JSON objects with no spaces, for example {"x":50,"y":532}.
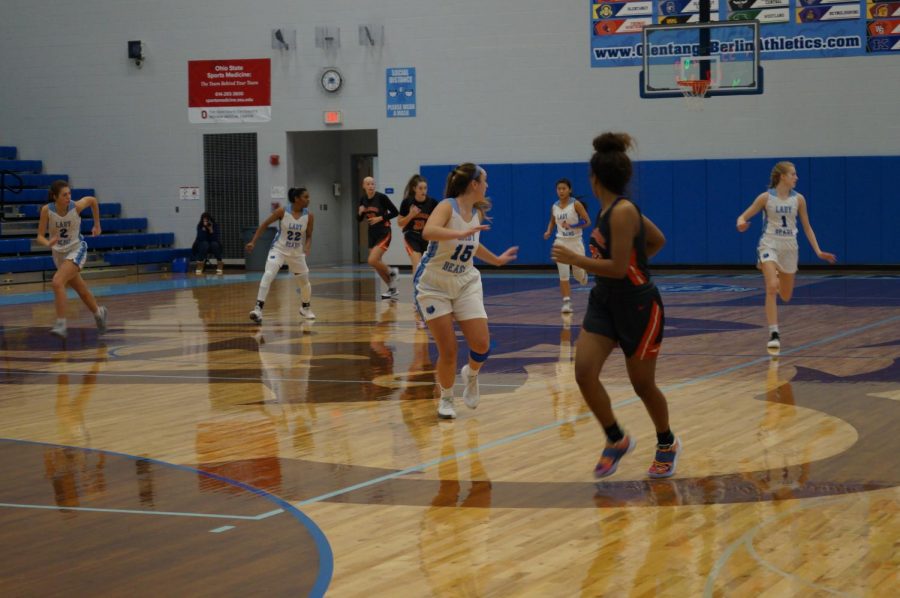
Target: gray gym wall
{"x":499,"y":81}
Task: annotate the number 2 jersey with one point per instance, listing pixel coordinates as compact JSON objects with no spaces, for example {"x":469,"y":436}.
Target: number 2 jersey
{"x":449,"y":264}
{"x":291,"y":235}
{"x":66,"y":227}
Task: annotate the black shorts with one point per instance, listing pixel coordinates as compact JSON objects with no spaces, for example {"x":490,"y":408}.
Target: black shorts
{"x":634,"y":319}
{"x":415,"y":242}
{"x":380,"y":237}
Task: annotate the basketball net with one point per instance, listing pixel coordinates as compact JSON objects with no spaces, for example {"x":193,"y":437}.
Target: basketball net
{"x":694,"y":92}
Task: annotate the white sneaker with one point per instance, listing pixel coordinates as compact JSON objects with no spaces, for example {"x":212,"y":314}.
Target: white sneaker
{"x":471,"y":392}
{"x":199,"y":270}
{"x":566,"y":307}
{"x":307,"y":312}
{"x":101,"y":319}
{"x":395,"y":272}
{"x":392,"y":293}
{"x":256,"y":315}
{"x":445,"y":408}
{"x":580,"y":275}
{"x":59,"y":330}
{"x":219,"y":271}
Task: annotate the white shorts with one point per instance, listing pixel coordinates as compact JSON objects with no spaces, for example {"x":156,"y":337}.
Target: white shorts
{"x":296,"y":263}
{"x":783,"y":253}
{"x":576,"y":244}
{"x":465,"y":302}
{"x":77,"y":254}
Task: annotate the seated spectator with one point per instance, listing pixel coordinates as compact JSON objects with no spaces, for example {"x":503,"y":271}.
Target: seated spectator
{"x":207,"y":242}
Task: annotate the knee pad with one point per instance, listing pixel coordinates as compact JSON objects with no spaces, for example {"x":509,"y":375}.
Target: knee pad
{"x":479,"y":357}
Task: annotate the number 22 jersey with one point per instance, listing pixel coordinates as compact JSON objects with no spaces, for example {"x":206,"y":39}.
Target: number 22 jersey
{"x":291,"y":234}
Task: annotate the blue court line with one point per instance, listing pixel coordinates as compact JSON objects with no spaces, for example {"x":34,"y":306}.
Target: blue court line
{"x":746,"y":541}
{"x":509,"y":439}
{"x":128,"y":511}
{"x":326,"y":556}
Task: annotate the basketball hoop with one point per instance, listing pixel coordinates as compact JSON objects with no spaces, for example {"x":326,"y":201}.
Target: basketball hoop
{"x":694,"y":91}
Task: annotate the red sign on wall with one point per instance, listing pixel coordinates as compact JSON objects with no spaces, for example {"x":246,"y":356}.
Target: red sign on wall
{"x":230,"y":91}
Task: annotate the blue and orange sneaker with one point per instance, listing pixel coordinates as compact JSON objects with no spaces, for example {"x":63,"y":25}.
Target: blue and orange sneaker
{"x":663,"y":465}
{"x":612,"y":454}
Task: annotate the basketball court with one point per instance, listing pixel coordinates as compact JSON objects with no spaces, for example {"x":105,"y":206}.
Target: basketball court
{"x":305,"y":456}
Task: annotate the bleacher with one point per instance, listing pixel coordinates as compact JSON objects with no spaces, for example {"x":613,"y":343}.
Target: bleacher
{"x":124,"y":247}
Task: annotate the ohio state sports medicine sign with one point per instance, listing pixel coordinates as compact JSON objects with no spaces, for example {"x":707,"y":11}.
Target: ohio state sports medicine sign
{"x":230,"y":91}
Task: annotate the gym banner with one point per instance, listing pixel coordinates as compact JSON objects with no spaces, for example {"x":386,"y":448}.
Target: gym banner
{"x":230,"y":91}
{"x":789,"y":28}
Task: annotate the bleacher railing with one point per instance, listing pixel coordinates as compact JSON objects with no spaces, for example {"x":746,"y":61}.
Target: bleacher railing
{"x":4,"y":187}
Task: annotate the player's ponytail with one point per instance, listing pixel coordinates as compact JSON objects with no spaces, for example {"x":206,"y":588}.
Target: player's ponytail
{"x":610,"y":163}
{"x":781,"y":169}
{"x":295,"y":192}
{"x":458,"y":182}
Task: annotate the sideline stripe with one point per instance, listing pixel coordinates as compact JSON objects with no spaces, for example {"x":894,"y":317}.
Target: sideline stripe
{"x":188,"y":282}
{"x":508,"y":439}
{"x":326,"y":556}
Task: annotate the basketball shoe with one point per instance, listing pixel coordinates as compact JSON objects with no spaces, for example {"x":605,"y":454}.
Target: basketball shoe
{"x":59,"y":329}
{"x":100,"y":319}
{"x":774,"y":343}
{"x":445,"y":408}
{"x":663,"y":465}
{"x":612,"y":454}
{"x":306,"y":312}
{"x":472,"y":392}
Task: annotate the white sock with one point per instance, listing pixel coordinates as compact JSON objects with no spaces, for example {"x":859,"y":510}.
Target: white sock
{"x":446,"y":393}
{"x":773,"y":328}
{"x":566,"y":299}
{"x":60,"y":321}
{"x":99,"y":312}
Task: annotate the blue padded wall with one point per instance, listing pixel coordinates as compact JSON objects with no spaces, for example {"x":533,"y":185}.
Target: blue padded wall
{"x":852,"y":203}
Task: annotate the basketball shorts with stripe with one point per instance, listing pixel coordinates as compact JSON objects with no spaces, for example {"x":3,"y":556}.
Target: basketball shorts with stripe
{"x":379,"y":236}
{"x":414,"y":242}
{"x":77,"y":253}
{"x":634,"y":319}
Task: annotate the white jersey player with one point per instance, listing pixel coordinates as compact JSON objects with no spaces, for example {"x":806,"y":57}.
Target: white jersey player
{"x":69,"y":249}
{"x":777,"y":250}
{"x":291,"y":246}
{"x":447,"y":285}
{"x":570,"y":219}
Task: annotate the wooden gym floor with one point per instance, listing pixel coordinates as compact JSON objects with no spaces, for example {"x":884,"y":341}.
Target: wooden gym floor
{"x":190,"y":452}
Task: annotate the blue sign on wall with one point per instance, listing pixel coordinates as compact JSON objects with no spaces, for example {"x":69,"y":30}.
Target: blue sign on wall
{"x":401,"y":92}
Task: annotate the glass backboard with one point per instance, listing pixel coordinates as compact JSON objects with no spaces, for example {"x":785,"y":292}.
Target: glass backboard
{"x":725,"y":53}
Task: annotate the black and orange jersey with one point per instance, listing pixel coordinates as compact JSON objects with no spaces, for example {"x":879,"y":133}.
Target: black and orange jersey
{"x":417,"y":222}
{"x":637,"y":277}
{"x":379,"y":205}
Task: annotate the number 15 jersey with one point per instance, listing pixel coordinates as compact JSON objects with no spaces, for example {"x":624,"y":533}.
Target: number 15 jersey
{"x":450,"y":263}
